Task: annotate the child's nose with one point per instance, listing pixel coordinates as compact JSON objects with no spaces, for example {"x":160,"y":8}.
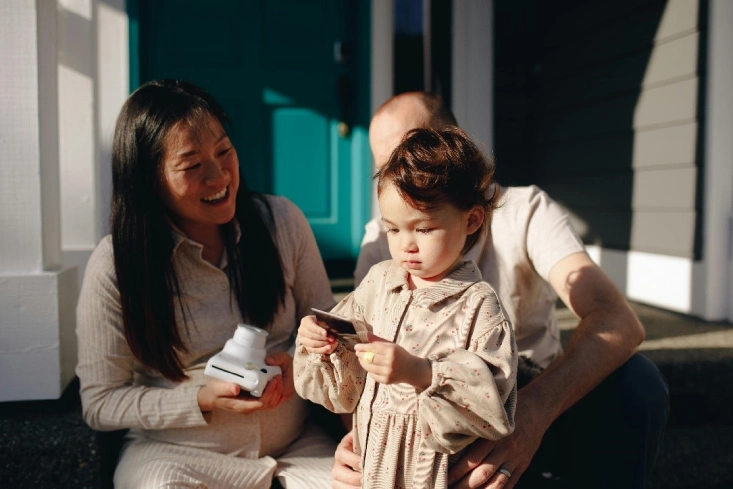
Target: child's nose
{"x":408,"y":242}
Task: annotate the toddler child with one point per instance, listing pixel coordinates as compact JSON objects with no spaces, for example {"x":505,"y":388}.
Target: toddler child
{"x":437,"y":366}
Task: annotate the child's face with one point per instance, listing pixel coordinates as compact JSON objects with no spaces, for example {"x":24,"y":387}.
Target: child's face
{"x":426,"y":244}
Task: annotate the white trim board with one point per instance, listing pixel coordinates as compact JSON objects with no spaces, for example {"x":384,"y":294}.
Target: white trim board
{"x":718,"y":164}
{"x":667,"y":282}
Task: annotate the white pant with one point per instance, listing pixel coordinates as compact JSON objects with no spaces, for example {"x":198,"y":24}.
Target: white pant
{"x":149,"y":464}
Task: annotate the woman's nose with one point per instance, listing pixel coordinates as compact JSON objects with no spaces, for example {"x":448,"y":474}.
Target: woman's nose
{"x":214,"y":173}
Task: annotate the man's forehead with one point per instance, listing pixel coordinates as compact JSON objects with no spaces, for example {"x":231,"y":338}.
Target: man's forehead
{"x":387,"y":129}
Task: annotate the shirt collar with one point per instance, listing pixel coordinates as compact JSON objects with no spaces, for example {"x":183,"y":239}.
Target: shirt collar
{"x":454,"y":284}
{"x":180,"y":237}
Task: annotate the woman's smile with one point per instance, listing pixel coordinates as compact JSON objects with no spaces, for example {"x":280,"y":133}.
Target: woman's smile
{"x":218,"y":197}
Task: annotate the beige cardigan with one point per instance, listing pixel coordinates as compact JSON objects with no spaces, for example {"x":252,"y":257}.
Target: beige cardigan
{"x":118,"y":392}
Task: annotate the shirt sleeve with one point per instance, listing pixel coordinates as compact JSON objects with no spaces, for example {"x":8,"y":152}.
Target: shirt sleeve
{"x":548,"y":223}
{"x":473,"y":391}
{"x":106,"y":365}
{"x":335,"y":381}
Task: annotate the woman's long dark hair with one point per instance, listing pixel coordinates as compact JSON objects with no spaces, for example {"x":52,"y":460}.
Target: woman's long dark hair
{"x":143,"y":240}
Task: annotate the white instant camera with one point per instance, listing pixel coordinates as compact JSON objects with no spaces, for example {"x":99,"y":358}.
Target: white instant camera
{"x":242,"y":360}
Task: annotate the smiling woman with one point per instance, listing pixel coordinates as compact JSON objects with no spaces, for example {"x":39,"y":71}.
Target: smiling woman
{"x":192,"y":253}
{"x":200,"y":179}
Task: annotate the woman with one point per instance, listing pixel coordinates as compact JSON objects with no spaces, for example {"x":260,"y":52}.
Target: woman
{"x":191,"y":254}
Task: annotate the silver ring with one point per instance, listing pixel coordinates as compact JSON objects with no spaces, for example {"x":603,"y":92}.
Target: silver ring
{"x":505,"y":472}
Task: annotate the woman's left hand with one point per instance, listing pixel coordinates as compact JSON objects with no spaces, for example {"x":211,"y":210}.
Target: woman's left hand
{"x":389,"y":363}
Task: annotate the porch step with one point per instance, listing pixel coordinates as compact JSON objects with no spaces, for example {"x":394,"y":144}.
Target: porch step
{"x":695,"y":457}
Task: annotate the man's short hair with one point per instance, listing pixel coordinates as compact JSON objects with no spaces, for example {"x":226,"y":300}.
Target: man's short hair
{"x":439,"y":115}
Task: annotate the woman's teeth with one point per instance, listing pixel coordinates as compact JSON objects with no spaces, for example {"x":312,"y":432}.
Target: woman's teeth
{"x":214,"y":197}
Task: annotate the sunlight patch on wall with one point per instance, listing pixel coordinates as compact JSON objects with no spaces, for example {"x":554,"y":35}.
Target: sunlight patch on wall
{"x":82,"y":8}
{"x":76,"y":159}
{"x":664,"y":281}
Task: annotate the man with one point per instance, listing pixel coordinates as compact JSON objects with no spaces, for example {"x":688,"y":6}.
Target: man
{"x":596,"y":414}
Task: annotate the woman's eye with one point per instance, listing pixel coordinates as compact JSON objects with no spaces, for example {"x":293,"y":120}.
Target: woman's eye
{"x":192,"y":167}
{"x":223,"y":152}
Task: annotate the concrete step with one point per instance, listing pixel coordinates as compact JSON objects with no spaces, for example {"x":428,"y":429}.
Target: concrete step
{"x":695,"y":457}
{"x":695,"y":356}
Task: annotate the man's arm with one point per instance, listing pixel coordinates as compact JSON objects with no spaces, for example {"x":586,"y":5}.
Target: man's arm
{"x":607,"y":335}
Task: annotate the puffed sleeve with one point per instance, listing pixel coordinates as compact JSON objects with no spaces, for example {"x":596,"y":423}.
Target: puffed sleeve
{"x":473,"y":391}
{"x":334,"y":381}
{"x":106,"y":365}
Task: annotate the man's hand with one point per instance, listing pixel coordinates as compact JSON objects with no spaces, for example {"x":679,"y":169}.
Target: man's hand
{"x":479,"y":466}
{"x":607,"y":335}
{"x":346,"y":470}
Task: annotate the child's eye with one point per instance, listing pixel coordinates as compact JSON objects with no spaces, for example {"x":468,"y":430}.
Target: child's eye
{"x":392,"y":230}
{"x":423,"y":230}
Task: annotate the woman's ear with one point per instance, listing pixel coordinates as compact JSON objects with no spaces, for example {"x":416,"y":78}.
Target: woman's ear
{"x":475,"y":219}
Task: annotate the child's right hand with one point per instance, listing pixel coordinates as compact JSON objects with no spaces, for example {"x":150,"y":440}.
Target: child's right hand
{"x":315,"y":338}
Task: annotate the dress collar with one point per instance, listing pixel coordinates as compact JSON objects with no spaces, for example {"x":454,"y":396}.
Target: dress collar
{"x":454,"y":284}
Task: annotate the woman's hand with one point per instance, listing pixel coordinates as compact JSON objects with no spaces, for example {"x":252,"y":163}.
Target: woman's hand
{"x":346,"y":470}
{"x":229,"y":396}
{"x":315,"y":338}
{"x":389,"y":363}
{"x":285,"y":362}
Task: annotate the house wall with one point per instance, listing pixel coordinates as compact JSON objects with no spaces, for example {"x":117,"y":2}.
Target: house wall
{"x":37,"y":294}
{"x":715,"y":294}
{"x":472,"y":97}
{"x":93,"y":68}
{"x":605,"y":107}
{"x":612,"y":121}
{"x":63,"y":82}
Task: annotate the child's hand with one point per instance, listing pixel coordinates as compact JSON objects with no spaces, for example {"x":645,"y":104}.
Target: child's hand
{"x":315,"y":338}
{"x":389,"y":363}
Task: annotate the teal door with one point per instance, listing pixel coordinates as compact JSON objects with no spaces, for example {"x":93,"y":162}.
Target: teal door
{"x":293,"y":75}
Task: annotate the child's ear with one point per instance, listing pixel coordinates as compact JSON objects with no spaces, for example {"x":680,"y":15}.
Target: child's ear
{"x":475,"y":219}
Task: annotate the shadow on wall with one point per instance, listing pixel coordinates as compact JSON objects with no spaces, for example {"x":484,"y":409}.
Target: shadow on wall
{"x":591,"y":96}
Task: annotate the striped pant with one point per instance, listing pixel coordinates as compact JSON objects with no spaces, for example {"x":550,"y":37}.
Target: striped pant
{"x":148,"y":464}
